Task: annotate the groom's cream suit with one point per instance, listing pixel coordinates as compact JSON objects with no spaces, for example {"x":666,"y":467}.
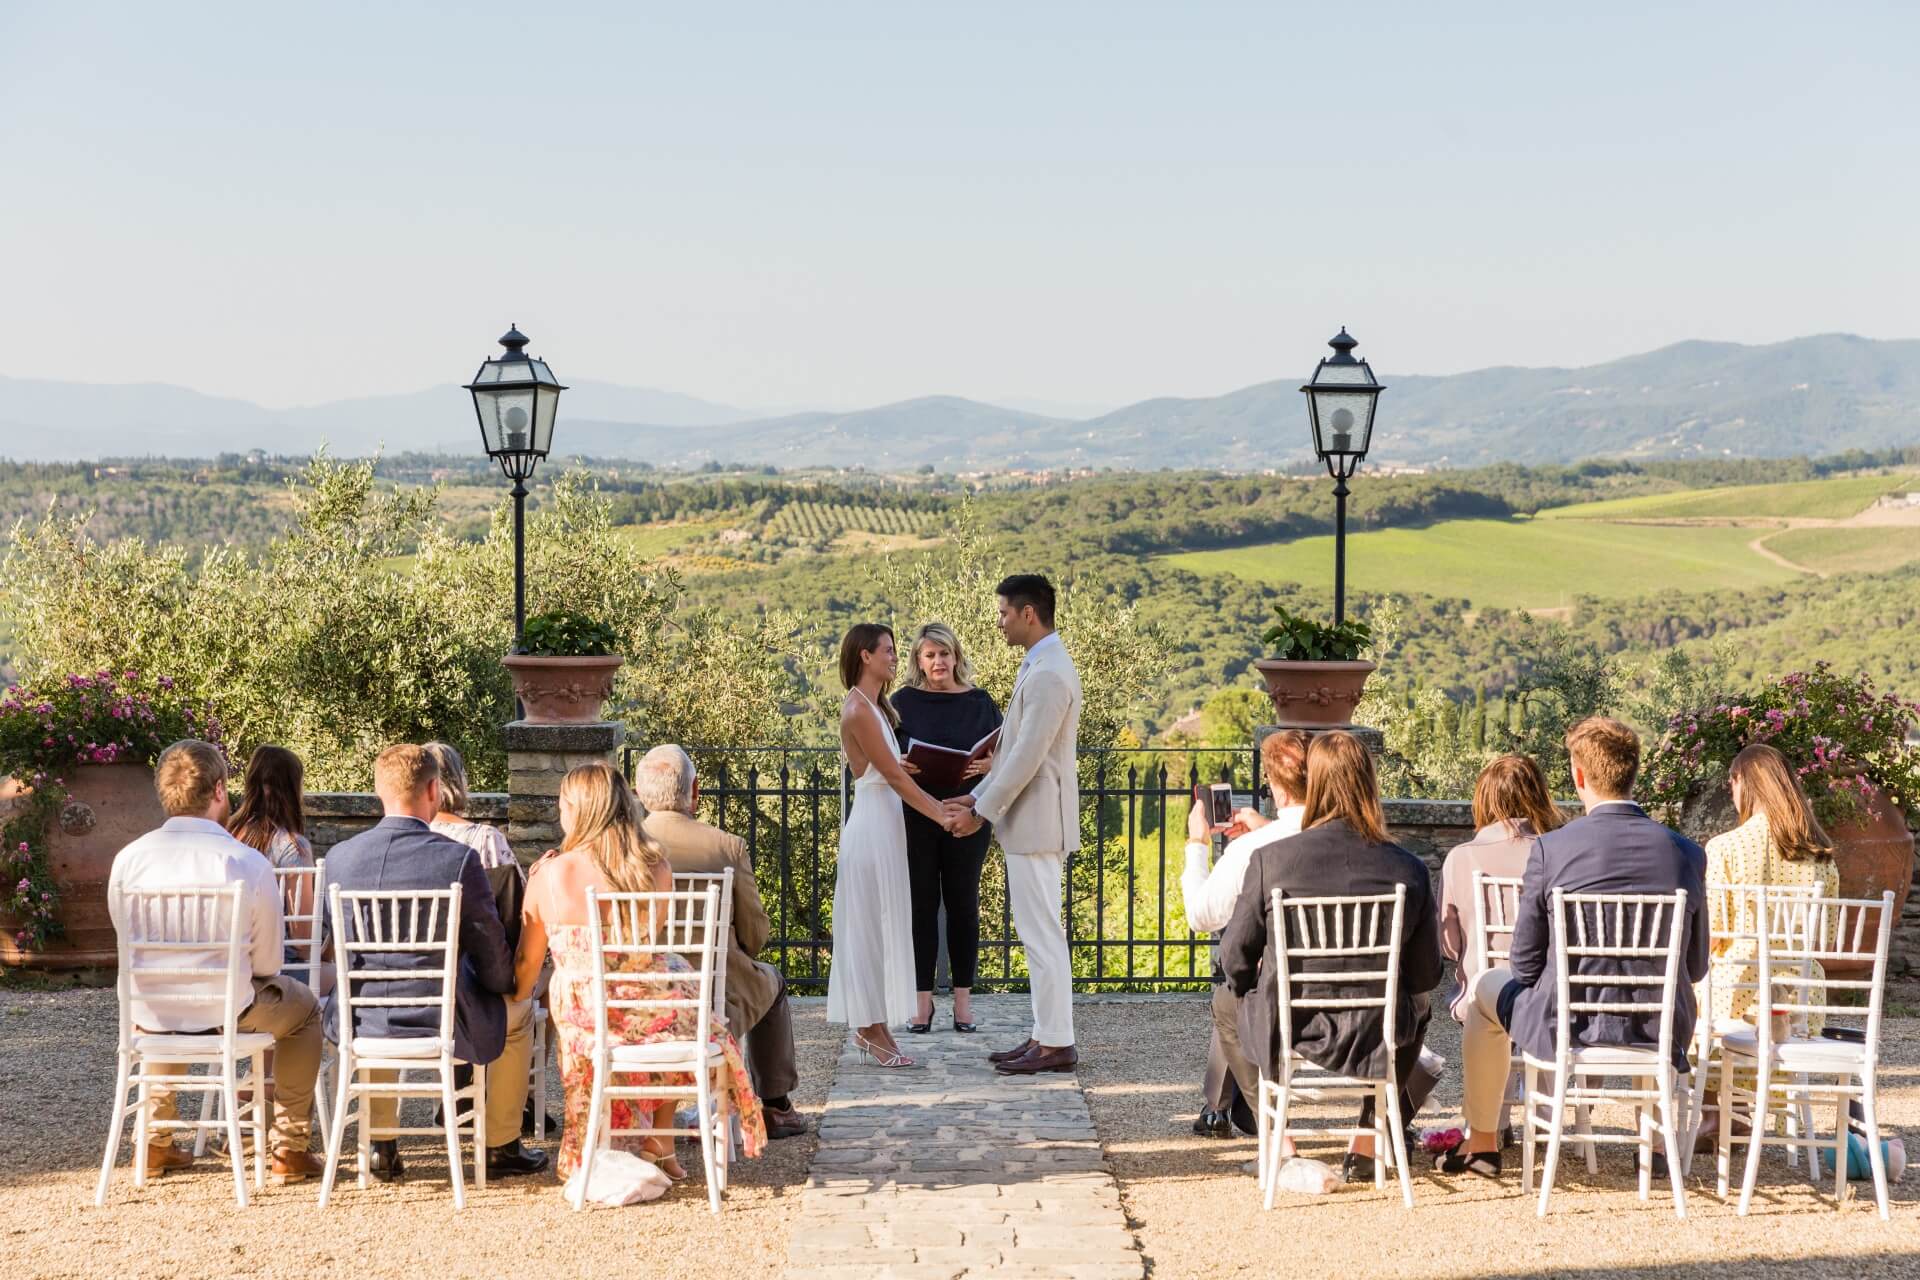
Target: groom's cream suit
{"x":1032,"y":797}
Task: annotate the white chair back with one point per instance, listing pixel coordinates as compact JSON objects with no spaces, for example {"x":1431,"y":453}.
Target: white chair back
{"x":1496,"y":901}
{"x":694,"y":882}
{"x":1648,"y":930}
{"x":1853,"y":931}
{"x":647,"y":926}
{"x":1314,"y":931}
{"x":1734,"y":913}
{"x":184,"y":954}
{"x":374,"y":928}
{"x":303,"y":910}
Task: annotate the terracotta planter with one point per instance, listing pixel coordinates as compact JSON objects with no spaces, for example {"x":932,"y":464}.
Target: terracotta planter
{"x":562,"y":690}
{"x":1314,"y":693}
{"x":108,"y":806}
{"x":1873,"y":855}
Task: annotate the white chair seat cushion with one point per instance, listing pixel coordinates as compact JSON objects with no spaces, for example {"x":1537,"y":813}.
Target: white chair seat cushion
{"x":1802,"y":1052}
{"x":1603,"y":1055}
{"x":158,"y":1045}
{"x":670,"y":1053}
{"x":398,"y":1046}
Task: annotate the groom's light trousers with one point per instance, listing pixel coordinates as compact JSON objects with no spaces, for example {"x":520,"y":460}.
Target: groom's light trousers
{"x":1033,"y":891}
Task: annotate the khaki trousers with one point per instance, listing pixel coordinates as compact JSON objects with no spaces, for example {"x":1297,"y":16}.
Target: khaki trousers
{"x":1486,"y":1053}
{"x":1231,"y":1076}
{"x":285,"y":1009}
{"x":507,"y":1080}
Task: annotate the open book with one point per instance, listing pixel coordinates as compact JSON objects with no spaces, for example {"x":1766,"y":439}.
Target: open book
{"x":945,"y":766}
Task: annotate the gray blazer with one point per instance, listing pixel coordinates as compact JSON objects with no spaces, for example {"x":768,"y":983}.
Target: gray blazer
{"x":405,"y":853}
{"x":1616,"y":848}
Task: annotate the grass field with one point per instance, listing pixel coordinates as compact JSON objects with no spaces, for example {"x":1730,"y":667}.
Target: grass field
{"x":1834,"y":499}
{"x":1871,"y":550}
{"x":1529,"y":564}
{"x":649,"y":540}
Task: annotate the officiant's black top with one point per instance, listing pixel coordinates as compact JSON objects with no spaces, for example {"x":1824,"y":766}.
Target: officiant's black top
{"x":956,"y":720}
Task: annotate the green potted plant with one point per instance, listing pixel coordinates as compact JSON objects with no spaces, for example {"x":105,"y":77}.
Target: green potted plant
{"x":1847,"y":743}
{"x":1315,"y":675}
{"x":563,"y":673}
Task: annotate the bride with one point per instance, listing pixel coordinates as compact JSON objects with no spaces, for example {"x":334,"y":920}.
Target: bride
{"x":871,"y":982}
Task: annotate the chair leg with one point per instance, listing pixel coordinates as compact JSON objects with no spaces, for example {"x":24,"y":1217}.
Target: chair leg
{"x":1584,"y":1115}
{"x":1260,"y":1133}
{"x":143,"y":1110}
{"x":540,"y":1075}
{"x":1805,"y":1113}
{"x":1396,"y":1141}
{"x":209,"y":1110}
{"x":1529,"y":1121}
{"x":262,"y":1118}
{"x":363,"y":1132}
{"x":480,"y":1126}
{"x":1840,"y":1188}
{"x":1276,"y":1140}
{"x":1758,"y":1116}
{"x":704,"y":1117}
{"x":1554,"y":1139}
{"x":337,"y":1132}
{"x":592,"y":1137}
{"x":1674,"y":1171}
{"x":1723,"y":1146}
{"x":1643,"y":1149}
{"x":1876,"y":1159}
{"x":115,"y":1127}
{"x":236,"y":1151}
{"x":449,"y":1100}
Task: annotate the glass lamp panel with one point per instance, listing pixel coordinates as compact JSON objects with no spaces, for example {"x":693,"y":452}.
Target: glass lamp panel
{"x":1330,"y":374}
{"x":537,"y":369}
{"x":506,"y":420}
{"x":546,"y":405}
{"x":1342,"y":420}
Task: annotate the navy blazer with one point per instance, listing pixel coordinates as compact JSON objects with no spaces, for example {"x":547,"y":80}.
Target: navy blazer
{"x":405,"y":853}
{"x":1329,"y":860}
{"x":1616,"y":848}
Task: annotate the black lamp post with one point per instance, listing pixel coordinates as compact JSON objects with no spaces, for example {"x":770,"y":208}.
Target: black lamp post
{"x":1340,"y":401}
{"x":516,"y":397}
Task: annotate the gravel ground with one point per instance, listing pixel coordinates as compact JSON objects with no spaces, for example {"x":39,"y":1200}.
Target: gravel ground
{"x":1198,"y":1214}
{"x":56,"y":1072}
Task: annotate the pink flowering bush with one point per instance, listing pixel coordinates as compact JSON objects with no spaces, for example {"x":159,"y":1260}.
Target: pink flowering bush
{"x":1847,"y":743}
{"x":53,"y":727}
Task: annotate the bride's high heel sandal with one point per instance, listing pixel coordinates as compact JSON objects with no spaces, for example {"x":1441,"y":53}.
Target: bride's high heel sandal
{"x":879,"y":1055}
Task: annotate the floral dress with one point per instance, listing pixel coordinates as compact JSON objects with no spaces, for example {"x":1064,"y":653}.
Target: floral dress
{"x":1748,"y":855}
{"x":570,"y":1000}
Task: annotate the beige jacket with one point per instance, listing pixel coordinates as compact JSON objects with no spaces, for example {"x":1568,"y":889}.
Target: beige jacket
{"x":693,"y":846}
{"x":1032,"y":794}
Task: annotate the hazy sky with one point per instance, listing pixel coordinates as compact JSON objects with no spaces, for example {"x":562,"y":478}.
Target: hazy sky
{"x":844,"y":204}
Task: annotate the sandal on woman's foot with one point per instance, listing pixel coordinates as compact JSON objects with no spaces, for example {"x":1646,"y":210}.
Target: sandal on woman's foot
{"x":1485,"y":1164}
{"x":666,"y":1162}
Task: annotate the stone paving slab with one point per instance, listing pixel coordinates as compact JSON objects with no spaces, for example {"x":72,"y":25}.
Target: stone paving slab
{"x":948,"y":1171}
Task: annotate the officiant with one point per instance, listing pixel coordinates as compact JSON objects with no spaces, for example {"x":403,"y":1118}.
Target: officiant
{"x":938,"y":704}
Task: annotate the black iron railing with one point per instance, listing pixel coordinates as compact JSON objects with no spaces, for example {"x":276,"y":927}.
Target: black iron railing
{"x":1126,"y":926}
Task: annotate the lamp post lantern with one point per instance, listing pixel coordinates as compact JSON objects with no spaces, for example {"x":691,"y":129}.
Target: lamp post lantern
{"x":1340,"y":402}
{"x":516,"y":397}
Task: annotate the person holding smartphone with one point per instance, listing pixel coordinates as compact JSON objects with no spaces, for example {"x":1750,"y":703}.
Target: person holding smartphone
{"x":940,"y":705}
{"x":1210,"y":893}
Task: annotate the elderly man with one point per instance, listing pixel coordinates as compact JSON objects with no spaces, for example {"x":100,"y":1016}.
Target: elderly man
{"x":757,"y":1007}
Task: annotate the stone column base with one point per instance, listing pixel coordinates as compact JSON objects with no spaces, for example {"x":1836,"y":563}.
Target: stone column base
{"x":539,"y":756}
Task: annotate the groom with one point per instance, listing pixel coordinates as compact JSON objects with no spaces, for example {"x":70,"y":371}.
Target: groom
{"x":1032,"y":797}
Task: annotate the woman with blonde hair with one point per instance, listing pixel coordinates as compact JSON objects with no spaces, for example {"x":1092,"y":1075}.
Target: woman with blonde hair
{"x":1511,"y":810}
{"x":488,"y":841}
{"x":603,"y":848}
{"x":941,"y":706}
{"x":1343,"y":850}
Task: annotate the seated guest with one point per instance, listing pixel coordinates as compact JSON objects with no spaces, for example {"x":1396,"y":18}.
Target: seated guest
{"x":272,"y":819}
{"x":603,"y":848}
{"x":1511,"y":809}
{"x":1211,"y":894}
{"x":489,"y":842}
{"x":1342,"y":850}
{"x":490,"y":1026}
{"x":1615,"y":848}
{"x":193,"y":848}
{"x":666,"y":785}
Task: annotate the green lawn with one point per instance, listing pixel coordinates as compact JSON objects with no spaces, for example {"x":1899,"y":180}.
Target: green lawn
{"x":1528,"y":564}
{"x":1866,"y":550}
{"x":649,"y":540}
{"x":1833,"y":499}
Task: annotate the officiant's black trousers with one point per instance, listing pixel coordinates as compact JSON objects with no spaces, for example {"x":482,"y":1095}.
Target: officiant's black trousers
{"x":945,"y":869}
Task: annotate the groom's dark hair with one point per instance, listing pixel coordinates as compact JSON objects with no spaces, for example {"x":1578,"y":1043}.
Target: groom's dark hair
{"x":1023,"y":589}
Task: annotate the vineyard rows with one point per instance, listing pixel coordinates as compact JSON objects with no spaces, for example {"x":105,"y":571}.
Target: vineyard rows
{"x":809,"y":521}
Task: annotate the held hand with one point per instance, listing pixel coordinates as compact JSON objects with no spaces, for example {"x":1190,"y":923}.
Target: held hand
{"x":979,"y":768}
{"x":1198,"y":828}
{"x":909,"y":768}
{"x":964,"y":800}
{"x":1245,"y":820}
{"x":967,"y":823}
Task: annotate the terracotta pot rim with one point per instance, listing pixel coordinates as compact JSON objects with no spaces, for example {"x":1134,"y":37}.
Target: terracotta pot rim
{"x":1314,"y":664}
{"x":538,"y":660}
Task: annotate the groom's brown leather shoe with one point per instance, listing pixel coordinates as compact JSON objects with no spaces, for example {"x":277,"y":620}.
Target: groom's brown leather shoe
{"x":1041,"y":1059}
{"x":1008,"y":1055}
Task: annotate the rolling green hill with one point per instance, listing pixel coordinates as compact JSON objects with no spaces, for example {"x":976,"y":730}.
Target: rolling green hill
{"x":1862,"y":550}
{"x":1832,"y":499}
{"x":1526,"y":564}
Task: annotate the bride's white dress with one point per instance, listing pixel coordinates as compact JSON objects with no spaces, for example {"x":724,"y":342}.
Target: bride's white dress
{"x":871,"y":979}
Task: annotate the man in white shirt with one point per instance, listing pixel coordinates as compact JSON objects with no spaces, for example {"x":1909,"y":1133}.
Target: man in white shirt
{"x":193,"y":848}
{"x":1210,"y":894}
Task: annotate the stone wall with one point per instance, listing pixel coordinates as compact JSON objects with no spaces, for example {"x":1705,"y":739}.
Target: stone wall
{"x":332,"y":816}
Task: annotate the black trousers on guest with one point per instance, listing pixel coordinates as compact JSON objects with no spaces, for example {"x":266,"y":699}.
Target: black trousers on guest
{"x":945,"y":869}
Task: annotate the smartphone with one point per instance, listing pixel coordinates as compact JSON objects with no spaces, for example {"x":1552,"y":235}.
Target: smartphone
{"x":1220,"y":803}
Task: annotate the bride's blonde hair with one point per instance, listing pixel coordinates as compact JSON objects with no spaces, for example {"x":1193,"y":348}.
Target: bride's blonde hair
{"x":606,"y":823}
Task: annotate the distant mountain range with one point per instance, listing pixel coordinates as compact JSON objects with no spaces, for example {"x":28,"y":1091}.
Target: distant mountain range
{"x":1816,"y":395}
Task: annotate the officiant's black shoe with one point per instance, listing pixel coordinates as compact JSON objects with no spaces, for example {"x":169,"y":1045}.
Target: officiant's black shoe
{"x":965,"y":1028}
{"x":384,"y":1160}
{"x":513,"y":1160}
{"x":920,"y":1028}
{"x":1213,"y":1124}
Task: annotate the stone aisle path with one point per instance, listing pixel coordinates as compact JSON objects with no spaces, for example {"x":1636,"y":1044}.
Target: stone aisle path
{"x":947,"y":1170}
